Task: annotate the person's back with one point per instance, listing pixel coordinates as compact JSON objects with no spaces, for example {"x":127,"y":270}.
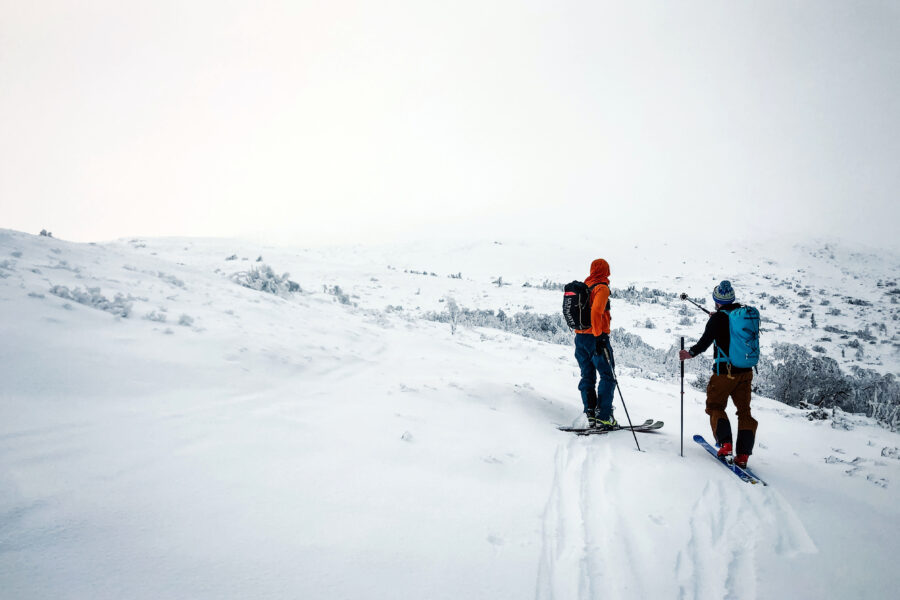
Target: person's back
{"x":727,"y":380}
{"x":594,"y":352}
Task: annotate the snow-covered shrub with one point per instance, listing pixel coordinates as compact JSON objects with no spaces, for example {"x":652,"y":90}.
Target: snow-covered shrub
{"x":819,"y":414}
{"x":634,"y":296}
{"x":452,"y":313}
{"x":649,"y":324}
{"x":159,"y":317}
{"x":45,"y":233}
{"x":778,"y":301}
{"x":119,"y":306}
{"x":170,"y":279}
{"x":856,"y":301}
{"x":547,"y":328}
{"x":794,"y":376}
{"x":232,"y":257}
{"x":338,"y":293}
{"x":185,"y":320}
{"x":264,"y":279}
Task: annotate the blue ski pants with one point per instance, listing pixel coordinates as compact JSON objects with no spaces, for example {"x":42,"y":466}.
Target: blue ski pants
{"x":591,"y":364}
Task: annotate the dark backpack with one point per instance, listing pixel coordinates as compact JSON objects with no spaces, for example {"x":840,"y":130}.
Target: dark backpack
{"x":577,"y":304}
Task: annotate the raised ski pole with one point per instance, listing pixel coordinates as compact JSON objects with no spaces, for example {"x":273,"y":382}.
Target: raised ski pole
{"x":685,"y":297}
{"x":682,"y":400}
{"x":616,"y":379}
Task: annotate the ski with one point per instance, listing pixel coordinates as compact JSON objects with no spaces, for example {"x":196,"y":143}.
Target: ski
{"x":588,"y":429}
{"x":645,"y":427}
{"x":745,"y":474}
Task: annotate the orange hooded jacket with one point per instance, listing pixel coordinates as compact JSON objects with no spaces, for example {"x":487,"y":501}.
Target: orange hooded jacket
{"x":600,"y":317}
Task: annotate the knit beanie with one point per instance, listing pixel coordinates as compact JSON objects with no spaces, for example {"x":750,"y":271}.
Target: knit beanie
{"x":723,"y":293}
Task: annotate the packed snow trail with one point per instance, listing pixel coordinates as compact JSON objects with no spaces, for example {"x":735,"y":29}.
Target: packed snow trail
{"x":606,"y":531}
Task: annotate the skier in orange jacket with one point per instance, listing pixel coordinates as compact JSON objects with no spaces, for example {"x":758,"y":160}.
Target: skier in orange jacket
{"x":594,"y":352}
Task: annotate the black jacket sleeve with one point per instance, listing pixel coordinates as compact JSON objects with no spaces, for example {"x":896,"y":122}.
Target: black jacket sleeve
{"x":709,"y":334}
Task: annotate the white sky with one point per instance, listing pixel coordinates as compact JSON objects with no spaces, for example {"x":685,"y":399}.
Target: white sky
{"x":357,"y":121}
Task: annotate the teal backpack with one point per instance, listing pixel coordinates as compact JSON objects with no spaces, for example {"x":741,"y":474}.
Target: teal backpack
{"x":743,"y":351}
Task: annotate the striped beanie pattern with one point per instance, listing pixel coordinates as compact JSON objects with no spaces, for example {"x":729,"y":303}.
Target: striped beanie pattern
{"x":723,"y":293}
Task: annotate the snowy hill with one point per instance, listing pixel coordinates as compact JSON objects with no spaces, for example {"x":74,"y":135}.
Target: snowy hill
{"x":167,"y":432}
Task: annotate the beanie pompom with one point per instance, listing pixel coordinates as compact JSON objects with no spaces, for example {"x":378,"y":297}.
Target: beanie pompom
{"x":724,"y":293}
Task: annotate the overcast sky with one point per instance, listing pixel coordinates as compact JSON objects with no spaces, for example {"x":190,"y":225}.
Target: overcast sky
{"x":358,"y":121}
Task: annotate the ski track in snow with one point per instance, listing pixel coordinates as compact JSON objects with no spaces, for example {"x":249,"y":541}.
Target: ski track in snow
{"x":598,"y":546}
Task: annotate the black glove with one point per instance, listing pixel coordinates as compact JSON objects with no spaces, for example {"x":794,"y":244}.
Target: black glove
{"x":600,"y":343}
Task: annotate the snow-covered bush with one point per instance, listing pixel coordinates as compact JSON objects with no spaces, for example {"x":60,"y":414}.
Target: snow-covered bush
{"x":778,"y":301}
{"x":159,"y":317}
{"x":634,"y":296}
{"x":170,"y":279}
{"x":794,"y":376}
{"x":547,"y":328}
{"x":338,"y":293}
{"x":119,"y":306}
{"x":264,"y":279}
{"x":185,"y":320}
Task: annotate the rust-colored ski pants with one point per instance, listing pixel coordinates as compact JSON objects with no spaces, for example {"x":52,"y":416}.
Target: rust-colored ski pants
{"x":717,"y":392}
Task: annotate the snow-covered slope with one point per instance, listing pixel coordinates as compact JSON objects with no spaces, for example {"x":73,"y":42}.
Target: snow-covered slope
{"x":173,"y":434}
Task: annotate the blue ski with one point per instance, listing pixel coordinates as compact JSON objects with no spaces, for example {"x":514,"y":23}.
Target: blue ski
{"x":745,"y":474}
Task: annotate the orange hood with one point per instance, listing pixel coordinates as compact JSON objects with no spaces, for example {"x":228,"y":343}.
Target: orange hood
{"x":599,"y":272}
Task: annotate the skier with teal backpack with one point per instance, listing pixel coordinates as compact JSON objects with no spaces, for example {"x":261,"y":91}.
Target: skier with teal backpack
{"x":733,"y":330}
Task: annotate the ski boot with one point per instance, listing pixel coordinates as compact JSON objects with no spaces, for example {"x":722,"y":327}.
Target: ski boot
{"x":591,"y":417}
{"x":607,"y":424}
{"x":725,"y":452}
{"x":741,"y":460}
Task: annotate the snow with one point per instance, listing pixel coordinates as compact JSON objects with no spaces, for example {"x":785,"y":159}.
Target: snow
{"x":218,"y":441}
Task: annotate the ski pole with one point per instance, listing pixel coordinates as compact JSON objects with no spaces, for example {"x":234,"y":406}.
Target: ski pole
{"x":616,"y":379}
{"x":682,"y":400}
{"x":685,"y":297}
